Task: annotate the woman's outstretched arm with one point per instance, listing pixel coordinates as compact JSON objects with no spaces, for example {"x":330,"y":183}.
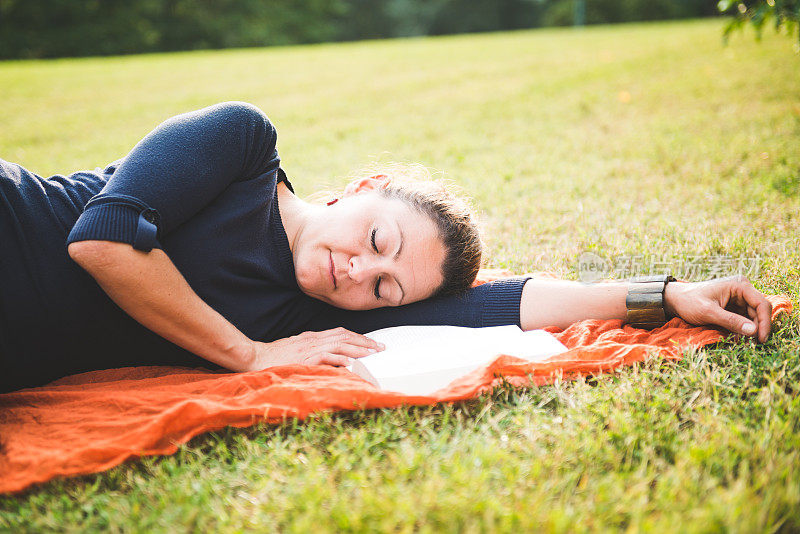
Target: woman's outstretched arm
{"x":732,"y":303}
{"x":535,"y":303}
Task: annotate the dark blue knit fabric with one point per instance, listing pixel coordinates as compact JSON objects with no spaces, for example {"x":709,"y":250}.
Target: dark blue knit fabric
{"x":202,"y":187}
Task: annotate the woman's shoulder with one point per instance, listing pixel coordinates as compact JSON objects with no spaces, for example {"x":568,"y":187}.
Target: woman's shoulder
{"x":235,"y":112}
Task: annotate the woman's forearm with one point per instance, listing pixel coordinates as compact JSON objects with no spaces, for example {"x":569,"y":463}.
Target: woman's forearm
{"x":561,"y":303}
{"x":732,"y":303}
{"x":149,"y":287}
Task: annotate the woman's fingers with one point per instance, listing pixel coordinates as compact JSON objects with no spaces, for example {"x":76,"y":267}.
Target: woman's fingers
{"x":337,"y":347}
{"x":715,"y":311}
{"x":346,"y":336}
{"x":347,"y":349}
{"x":754,"y":299}
{"x":732,"y":321}
{"x":331,"y":359}
{"x":764,"y":313}
{"x":748,"y":311}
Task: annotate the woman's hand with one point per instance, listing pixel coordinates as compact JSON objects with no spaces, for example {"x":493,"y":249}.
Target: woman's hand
{"x":334,"y":347}
{"x":732,"y":303}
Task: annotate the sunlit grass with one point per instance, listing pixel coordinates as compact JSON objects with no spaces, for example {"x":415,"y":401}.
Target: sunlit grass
{"x":642,"y":140}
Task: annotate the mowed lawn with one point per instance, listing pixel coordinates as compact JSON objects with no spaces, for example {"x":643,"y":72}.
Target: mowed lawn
{"x":651,"y":141}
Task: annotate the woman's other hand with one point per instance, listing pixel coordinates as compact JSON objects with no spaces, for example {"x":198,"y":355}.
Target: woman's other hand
{"x":336,"y":347}
{"x":732,"y":303}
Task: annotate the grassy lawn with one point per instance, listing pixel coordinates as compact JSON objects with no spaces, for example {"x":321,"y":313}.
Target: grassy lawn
{"x":652,"y":141}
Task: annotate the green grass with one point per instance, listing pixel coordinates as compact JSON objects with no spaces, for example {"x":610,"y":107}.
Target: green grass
{"x":648,"y":140}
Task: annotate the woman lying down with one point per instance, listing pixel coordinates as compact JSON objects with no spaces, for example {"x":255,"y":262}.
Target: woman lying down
{"x":194,"y":248}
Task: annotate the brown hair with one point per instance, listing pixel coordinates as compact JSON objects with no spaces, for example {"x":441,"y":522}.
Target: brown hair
{"x":452,"y":216}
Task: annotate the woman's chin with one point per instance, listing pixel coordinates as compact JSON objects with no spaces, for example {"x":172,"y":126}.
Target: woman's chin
{"x":322,"y":296}
{"x":337,"y":302}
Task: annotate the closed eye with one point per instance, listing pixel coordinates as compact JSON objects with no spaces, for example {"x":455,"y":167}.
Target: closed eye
{"x":374,"y":246}
{"x":377,"y":289}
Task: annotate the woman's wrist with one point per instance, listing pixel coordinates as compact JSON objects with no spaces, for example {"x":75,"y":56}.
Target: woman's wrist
{"x":672,"y":294}
{"x":244,"y":354}
{"x":645,"y":302}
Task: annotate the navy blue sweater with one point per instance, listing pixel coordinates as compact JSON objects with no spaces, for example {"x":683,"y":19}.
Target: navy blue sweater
{"x":202,"y":187}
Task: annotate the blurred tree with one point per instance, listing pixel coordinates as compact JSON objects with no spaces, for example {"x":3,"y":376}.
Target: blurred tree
{"x":464,"y":16}
{"x":563,"y":12}
{"x":230,"y":23}
{"x":782,"y":13}
{"x":53,"y":28}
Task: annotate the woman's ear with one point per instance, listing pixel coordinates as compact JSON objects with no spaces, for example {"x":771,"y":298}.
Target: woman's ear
{"x":379,"y":181}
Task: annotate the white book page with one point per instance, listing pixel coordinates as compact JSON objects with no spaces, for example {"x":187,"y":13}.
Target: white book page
{"x":419,"y":360}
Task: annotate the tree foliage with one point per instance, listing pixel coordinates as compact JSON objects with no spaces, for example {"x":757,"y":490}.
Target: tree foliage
{"x":781,"y":13}
{"x":561,"y":12}
{"x":53,"y":28}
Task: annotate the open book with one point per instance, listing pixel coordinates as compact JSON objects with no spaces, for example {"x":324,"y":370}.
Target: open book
{"x":419,"y":360}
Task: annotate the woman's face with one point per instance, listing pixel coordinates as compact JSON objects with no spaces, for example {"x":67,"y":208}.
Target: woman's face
{"x":368,"y":251}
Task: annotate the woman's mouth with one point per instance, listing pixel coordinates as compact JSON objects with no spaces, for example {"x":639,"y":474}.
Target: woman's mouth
{"x":332,"y":268}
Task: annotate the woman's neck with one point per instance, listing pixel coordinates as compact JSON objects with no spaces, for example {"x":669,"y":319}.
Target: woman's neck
{"x":295,"y":214}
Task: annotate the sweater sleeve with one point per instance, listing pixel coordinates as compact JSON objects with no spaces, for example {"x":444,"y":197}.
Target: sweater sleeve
{"x":175,"y":171}
{"x":492,"y":304}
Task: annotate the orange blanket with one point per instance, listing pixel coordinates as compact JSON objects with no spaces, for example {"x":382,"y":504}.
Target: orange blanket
{"x":94,"y":421}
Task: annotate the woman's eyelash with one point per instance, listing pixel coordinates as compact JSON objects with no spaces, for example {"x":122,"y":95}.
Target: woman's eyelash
{"x":378,"y":282}
{"x":374,"y":246}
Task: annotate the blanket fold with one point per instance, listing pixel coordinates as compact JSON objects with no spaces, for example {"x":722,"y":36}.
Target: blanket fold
{"x":94,"y":421}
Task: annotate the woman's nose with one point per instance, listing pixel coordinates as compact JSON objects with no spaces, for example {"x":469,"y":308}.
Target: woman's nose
{"x":361,"y":269}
